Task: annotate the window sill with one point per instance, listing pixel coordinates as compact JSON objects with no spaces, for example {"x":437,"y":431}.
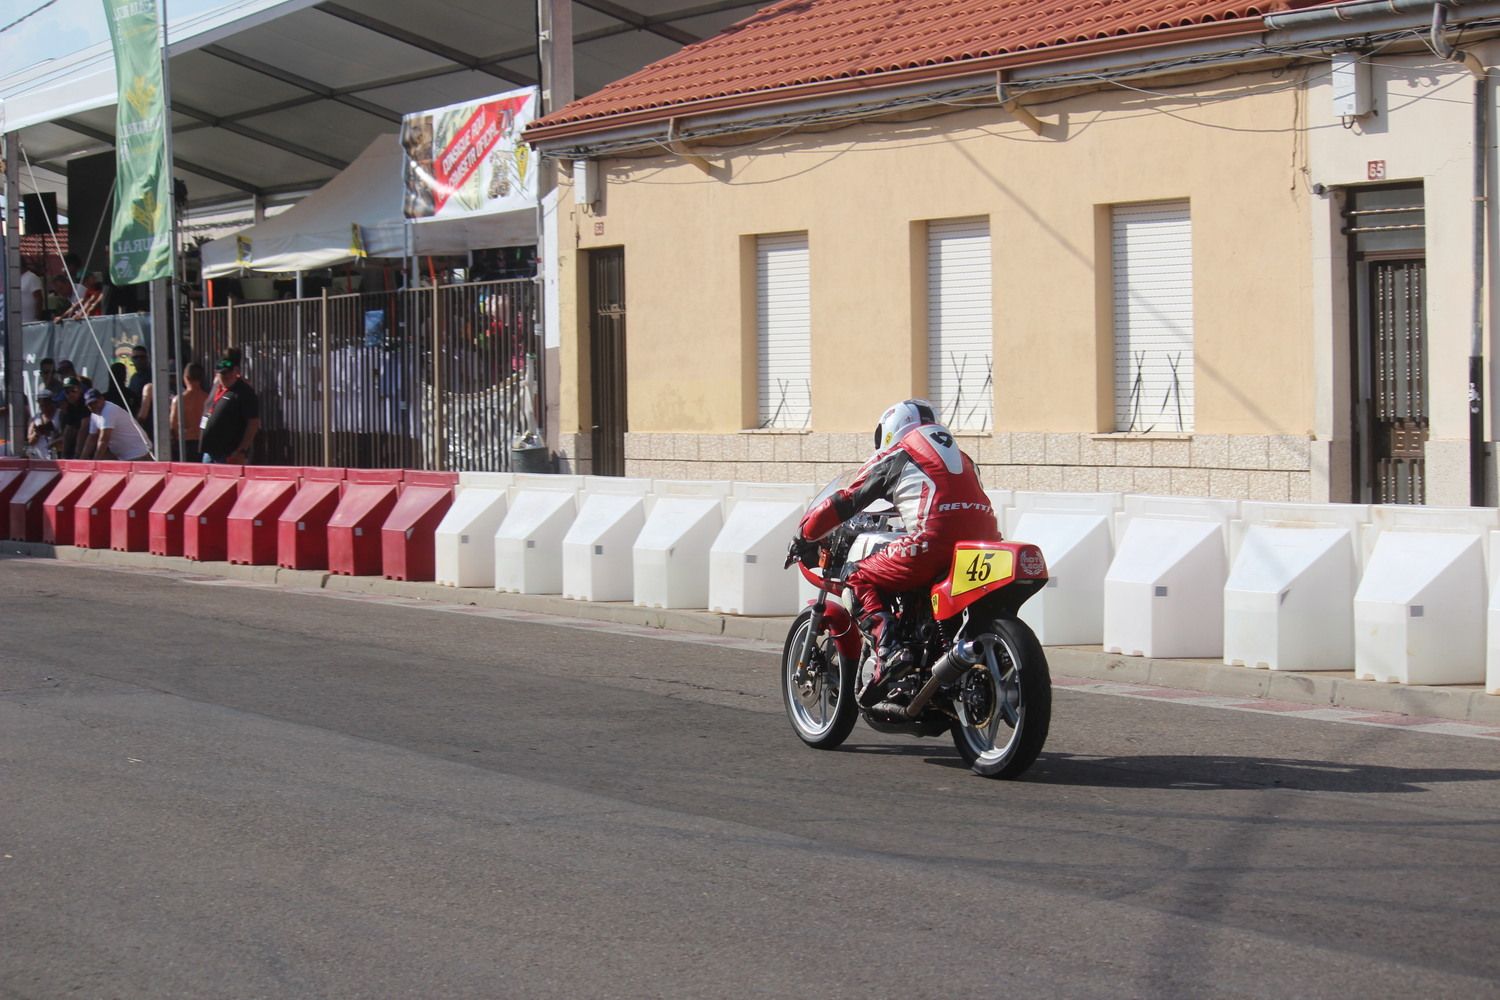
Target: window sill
{"x":1139,"y":436}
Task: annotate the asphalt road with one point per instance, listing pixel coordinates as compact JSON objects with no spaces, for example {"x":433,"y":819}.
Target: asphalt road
{"x":211,"y":789}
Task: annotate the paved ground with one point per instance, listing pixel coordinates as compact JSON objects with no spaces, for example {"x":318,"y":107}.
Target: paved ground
{"x":213,"y":789}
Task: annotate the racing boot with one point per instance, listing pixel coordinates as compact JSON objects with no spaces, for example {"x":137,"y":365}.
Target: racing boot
{"x":892,"y":658}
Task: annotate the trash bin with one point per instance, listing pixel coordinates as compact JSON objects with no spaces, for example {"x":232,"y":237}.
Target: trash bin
{"x":528,"y":453}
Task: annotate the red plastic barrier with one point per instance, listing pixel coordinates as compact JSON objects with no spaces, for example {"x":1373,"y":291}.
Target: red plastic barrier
{"x":205,"y":525}
{"x":354,"y":529}
{"x":302,"y":528}
{"x":12,"y":471}
{"x":167,"y":512}
{"x":264,"y":495}
{"x":129,"y":515}
{"x":407,"y":543}
{"x":91,"y":510}
{"x":57,"y":509}
{"x":26,"y":501}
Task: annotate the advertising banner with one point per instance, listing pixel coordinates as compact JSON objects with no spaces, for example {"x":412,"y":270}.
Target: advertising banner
{"x":467,"y":159}
{"x":140,"y":237}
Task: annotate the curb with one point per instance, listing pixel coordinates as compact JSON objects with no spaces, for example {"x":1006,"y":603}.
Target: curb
{"x":1333,"y":689}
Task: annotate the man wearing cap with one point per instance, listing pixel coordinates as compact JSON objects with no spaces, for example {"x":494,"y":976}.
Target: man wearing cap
{"x":231,"y":416}
{"x":113,"y":432}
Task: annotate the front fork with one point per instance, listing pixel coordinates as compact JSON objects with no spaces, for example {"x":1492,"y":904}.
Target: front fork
{"x":803,"y":675}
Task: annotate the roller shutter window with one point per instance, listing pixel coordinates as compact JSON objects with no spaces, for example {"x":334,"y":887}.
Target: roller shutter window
{"x":960,"y":324}
{"x":783,"y":310}
{"x":1152,"y":254}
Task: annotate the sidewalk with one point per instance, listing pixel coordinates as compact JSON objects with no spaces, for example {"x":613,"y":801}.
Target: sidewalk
{"x":1337,"y":689}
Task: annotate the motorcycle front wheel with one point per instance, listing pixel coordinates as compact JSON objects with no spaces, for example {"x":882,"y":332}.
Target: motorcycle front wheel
{"x":1004,"y":706}
{"x":820,"y":698}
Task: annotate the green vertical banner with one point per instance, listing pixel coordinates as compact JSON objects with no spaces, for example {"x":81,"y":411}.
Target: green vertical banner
{"x":140,"y":237}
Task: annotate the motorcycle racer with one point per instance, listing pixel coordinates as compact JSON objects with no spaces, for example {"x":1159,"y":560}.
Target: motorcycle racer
{"x":919,"y":469}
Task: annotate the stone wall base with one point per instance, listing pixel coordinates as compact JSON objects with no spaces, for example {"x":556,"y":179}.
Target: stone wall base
{"x":1241,"y":467}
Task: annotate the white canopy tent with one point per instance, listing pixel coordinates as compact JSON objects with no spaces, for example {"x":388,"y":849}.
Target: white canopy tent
{"x":318,"y":231}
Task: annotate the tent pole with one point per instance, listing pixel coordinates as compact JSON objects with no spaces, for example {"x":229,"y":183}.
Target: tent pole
{"x":326,"y":398}
{"x":164,"y":290}
{"x":15,"y":378}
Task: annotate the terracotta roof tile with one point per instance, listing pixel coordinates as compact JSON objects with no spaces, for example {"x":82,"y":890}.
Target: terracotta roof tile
{"x":797,"y":43}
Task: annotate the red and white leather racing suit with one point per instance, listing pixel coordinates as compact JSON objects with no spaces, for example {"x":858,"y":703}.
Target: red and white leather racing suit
{"x":937,"y":490}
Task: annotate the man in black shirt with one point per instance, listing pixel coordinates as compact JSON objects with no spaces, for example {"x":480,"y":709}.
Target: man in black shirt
{"x":231,"y":416}
{"x":140,"y":358}
{"x":73,"y":416}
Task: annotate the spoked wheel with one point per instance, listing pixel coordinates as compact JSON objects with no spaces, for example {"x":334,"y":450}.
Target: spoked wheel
{"x":817,"y":686}
{"x":1004,"y":706}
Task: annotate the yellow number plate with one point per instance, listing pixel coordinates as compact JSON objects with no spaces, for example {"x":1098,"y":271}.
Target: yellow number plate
{"x":973,"y":568}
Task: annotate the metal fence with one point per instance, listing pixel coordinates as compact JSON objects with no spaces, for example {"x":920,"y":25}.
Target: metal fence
{"x":426,"y":378}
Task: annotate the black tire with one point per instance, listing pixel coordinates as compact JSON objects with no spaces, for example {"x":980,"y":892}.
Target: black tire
{"x":824,"y":711}
{"x":1023,"y":728}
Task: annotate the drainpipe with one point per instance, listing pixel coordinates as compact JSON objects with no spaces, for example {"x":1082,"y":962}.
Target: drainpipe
{"x":1440,"y":45}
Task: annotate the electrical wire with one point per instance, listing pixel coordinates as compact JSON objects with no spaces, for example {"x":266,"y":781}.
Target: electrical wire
{"x":28,"y":14}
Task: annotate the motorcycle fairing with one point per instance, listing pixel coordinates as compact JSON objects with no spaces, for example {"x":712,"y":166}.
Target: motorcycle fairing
{"x":981,"y":568}
{"x":838,"y":623}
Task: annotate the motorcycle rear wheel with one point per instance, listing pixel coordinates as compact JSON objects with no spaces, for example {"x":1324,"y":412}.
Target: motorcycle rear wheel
{"x":1004,"y":709}
{"x":823,"y":710}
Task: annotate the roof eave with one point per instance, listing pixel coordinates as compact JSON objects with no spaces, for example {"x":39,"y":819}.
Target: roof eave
{"x":1158,"y":38}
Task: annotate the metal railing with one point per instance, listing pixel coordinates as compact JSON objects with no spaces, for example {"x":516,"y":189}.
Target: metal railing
{"x":442,"y":377}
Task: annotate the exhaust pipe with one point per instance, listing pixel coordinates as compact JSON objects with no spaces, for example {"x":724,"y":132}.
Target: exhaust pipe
{"x":963,"y":656}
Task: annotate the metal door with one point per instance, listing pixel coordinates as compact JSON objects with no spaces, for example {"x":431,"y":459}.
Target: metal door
{"x":607,"y":359}
{"x":1386,"y":228}
{"x":1398,"y":397}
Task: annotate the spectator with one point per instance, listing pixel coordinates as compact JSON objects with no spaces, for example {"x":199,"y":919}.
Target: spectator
{"x":61,"y":298}
{"x":143,"y":411}
{"x":114,"y":388}
{"x":187,"y":412}
{"x":140,"y":359}
{"x":113,"y":432}
{"x":89,"y":300}
{"x":48,"y":382}
{"x":74,"y":416}
{"x":231,"y":417}
{"x":44,"y":433}
{"x":65,"y":370}
{"x":33,"y":300}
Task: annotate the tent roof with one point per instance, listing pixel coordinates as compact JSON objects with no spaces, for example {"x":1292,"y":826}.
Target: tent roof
{"x":271,"y":98}
{"x":316,"y":232}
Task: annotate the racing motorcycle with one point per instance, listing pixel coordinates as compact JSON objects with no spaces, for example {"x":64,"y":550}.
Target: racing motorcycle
{"x":980,"y":675}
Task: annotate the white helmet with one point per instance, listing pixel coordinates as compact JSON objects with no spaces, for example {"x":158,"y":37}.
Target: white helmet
{"x":896,"y":421}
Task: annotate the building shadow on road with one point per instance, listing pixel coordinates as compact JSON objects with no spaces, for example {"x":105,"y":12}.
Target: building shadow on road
{"x":1209,"y":772}
{"x":1218,"y":771}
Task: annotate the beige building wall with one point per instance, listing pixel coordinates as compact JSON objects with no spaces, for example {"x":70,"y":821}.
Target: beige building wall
{"x":1421,"y":131}
{"x":863,"y":195}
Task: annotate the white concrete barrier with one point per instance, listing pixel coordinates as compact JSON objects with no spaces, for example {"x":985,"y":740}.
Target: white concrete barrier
{"x":597,"y":563}
{"x":1002,"y":501}
{"x":464,"y":543}
{"x":1492,"y":646}
{"x":1289,"y":599}
{"x":528,"y":543}
{"x":1419,"y":612}
{"x":1164,"y":592}
{"x":670,"y":556}
{"x":745,"y":574}
{"x":1075,"y":532}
